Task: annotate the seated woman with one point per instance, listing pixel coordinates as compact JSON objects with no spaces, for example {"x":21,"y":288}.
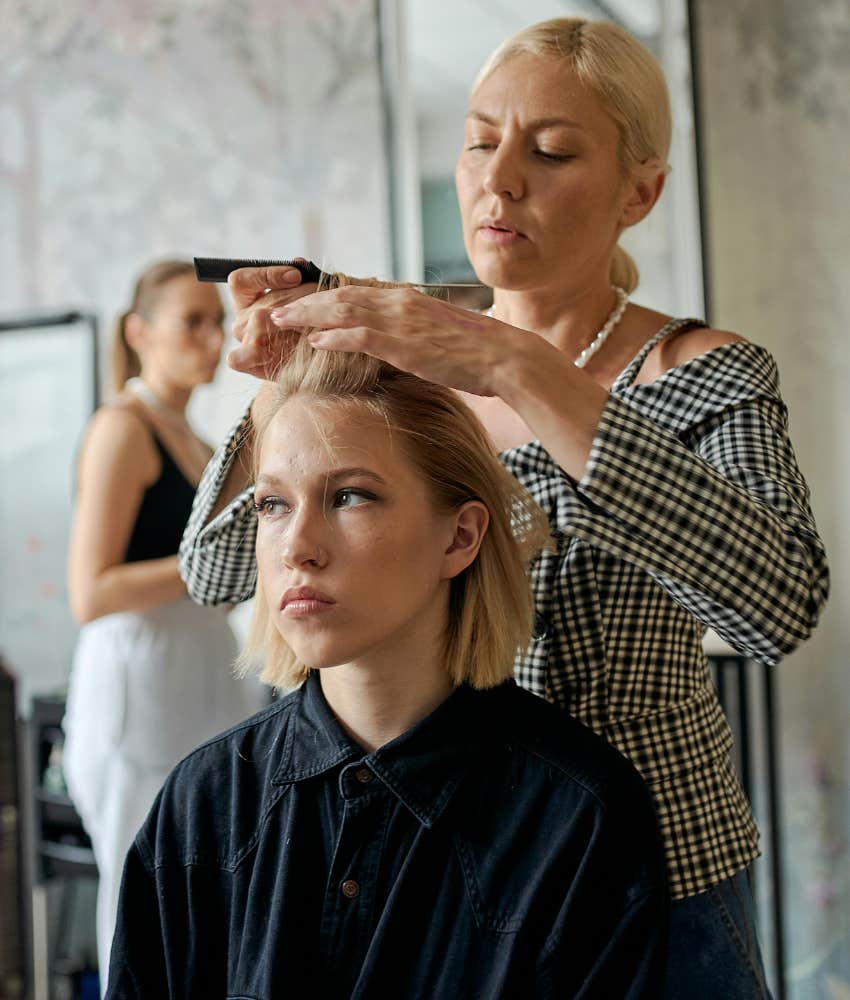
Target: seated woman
{"x":408,"y":822}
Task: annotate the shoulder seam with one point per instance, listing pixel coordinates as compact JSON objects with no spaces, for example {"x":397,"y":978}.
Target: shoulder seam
{"x":535,"y":752}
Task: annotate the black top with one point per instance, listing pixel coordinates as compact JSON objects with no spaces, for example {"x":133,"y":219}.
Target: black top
{"x":497,"y":849}
{"x":164,"y":512}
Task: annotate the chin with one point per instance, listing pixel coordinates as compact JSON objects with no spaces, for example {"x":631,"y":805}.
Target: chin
{"x":322,"y":659}
{"x":510,"y":275}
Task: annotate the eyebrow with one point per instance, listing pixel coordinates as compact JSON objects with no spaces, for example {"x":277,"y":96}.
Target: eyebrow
{"x":335,"y":475}
{"x":537,"y":123}
{"x":357,"y":471}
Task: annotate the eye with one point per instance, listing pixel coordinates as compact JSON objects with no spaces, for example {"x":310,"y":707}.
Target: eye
{"x":554,"y":157}
{"x":352,"y":498}
{"x":270,"y":507}
{"x":480,"y":145}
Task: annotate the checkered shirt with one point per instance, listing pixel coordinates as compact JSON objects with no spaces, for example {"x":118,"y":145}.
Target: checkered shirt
{"x":691,"y":513}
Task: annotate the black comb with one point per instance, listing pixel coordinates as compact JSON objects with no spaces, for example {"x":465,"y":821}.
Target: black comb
{"x":218,"y":268}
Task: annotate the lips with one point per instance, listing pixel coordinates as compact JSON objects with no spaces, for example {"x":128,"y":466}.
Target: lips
{"x":499,"y":225}
{"x":300,"y":602}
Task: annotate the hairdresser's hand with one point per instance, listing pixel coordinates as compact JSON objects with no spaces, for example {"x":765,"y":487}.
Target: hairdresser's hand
{"x":256,"y":291}
{"x":412,"y":331}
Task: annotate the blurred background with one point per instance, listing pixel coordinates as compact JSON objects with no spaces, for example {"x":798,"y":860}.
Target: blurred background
{"x":329,"y":129}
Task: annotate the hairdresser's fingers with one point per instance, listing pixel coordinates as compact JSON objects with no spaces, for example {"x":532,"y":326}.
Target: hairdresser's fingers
{"x":254,"y":319}
{"x":247,"y":284}
{"x":262,"y":347}
{"x":404,"y":301}
{"x":324,"y":310}
{"x":262,"y":359}
{"x":344,"y":306}
{"x":399,"y":310}
{"x":253,"y":355}
{"x":431,"y":359}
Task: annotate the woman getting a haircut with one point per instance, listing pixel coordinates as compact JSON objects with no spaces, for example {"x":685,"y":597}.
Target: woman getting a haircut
{"x":409,"y":822}
{"x":658,"y":448}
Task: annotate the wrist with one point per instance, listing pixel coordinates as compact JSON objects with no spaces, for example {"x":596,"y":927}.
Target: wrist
{"x":523,"y":363}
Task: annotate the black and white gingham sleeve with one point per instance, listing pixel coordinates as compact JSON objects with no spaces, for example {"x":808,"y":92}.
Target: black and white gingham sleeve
{"x":217,"y":560}
{"x":700,"y":487}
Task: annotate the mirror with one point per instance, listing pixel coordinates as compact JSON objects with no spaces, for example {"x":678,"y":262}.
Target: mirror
{"x":435,"y":50}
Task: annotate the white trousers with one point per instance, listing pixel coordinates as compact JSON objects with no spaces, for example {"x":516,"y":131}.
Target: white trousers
{"x":145,"y":689}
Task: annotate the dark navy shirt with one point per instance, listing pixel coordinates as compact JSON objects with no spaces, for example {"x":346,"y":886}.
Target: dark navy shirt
{"x":497,"y":849}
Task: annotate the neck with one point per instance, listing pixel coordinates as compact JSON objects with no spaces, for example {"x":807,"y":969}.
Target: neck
{"x":380,"y":697}
{"x":172,"y":396}
{"x":568,"y":320}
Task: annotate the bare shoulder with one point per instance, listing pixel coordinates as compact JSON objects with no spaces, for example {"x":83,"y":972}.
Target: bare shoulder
{"x":120,"y":422}
{"x":691,"y":343}
{"x":118,"y":435}
{"x":680,"y":347}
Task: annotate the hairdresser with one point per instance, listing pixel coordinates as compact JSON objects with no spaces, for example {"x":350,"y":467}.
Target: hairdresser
{"x":657,"y":446}
{"x":152,"y":672}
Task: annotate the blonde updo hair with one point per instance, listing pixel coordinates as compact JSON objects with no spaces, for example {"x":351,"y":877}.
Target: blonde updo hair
{"x":490,"y":607}
{"x":146,"y":293}
{"x":625,"y":77}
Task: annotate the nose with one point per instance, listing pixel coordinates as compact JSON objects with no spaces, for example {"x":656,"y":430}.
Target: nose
{"x":504,"y":176}
{"x":304,"y":542}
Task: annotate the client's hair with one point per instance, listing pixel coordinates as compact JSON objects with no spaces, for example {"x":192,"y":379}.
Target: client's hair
{"x":490,"y":607}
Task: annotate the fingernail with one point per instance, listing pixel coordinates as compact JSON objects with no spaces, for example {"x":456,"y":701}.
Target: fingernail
{"x":278,"y":313}
{"x":292,"y":276}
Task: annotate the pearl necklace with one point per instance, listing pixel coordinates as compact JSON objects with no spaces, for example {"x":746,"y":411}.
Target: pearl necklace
{"x":604,"y":333}
{"x":140,"y":388}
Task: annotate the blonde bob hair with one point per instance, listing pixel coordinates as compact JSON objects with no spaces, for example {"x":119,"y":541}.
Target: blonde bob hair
{"x":490,"y":605}
{"x":624,"y":76}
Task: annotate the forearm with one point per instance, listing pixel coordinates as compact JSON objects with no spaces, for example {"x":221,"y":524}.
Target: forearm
{"x":561,"y":405}
{"x":238,"y":477}
{"x":217,"y":551}
{"x":710,"y":501}
{"x":135,"y":586}
{"x":733,"y":544}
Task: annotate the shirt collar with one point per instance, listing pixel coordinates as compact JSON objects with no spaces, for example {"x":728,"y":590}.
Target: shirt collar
{"x":423,"y":767}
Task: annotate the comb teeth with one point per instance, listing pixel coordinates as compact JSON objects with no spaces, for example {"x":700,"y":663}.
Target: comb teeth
{"x":219,"y":268}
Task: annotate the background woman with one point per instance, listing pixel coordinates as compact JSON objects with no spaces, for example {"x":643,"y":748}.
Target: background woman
{"x":152,"y":673}
{"x":658,"y":448}
{"x":409,"y":823}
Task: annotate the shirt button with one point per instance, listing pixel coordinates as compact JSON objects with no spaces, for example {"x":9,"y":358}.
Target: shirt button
{"x":350,"y":889}
{"x":363,"y":775}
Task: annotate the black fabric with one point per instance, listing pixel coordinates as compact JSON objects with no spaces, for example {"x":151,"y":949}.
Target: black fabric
{"x":497,"y":849}
{"x":163,"y":514}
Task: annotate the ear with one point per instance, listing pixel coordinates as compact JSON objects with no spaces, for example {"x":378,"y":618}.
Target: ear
{"x":470,"y":526}
{"x":645,"y":189}
{"x":134,"y":332}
